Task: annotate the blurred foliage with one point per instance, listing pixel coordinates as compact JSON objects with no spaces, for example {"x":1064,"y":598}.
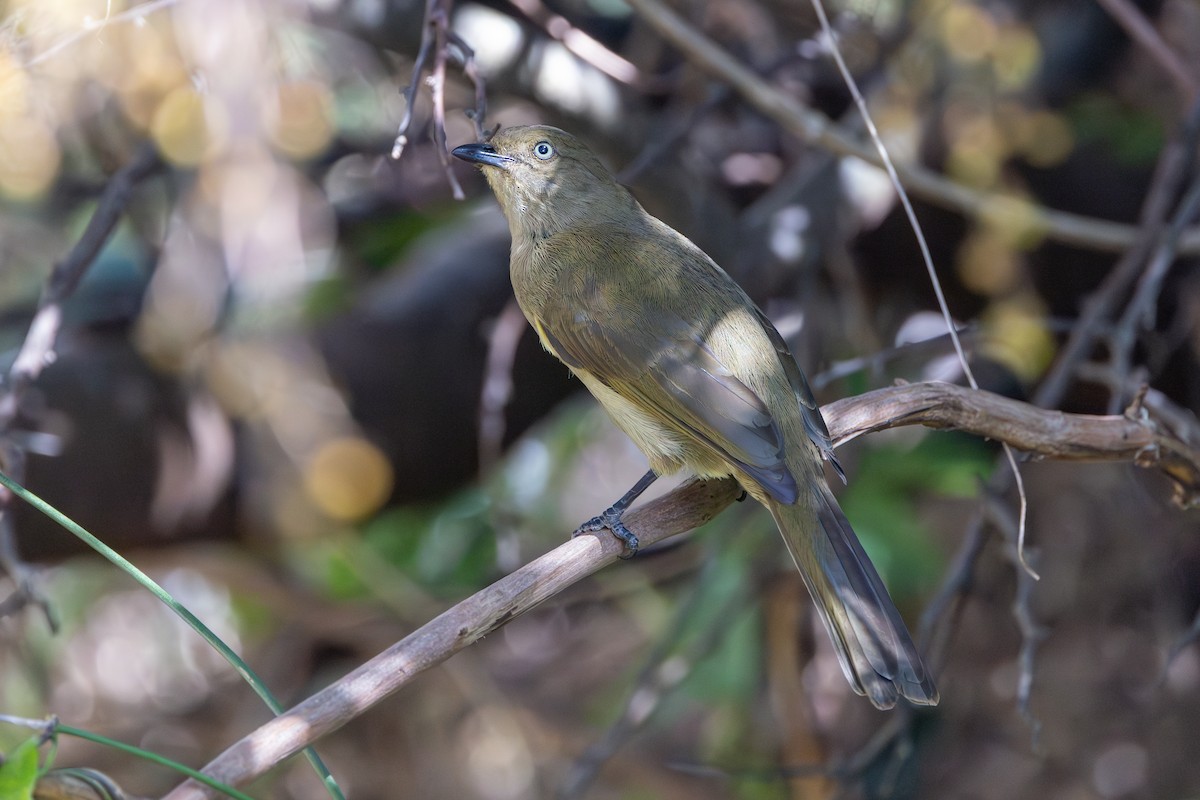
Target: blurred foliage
{"x":448,"y":549}
{"x":1133,"y":135}
{"x":883,"y":500}
{"x":380,"y":243}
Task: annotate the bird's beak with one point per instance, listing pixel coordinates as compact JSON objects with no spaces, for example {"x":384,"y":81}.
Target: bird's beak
{"x":481,"y":153}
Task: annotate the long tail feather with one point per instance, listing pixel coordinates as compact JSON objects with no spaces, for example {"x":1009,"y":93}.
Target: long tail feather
{"x":875,"y":650}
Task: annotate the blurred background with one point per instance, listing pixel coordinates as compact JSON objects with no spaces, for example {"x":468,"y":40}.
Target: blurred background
{"x":292,"y":387}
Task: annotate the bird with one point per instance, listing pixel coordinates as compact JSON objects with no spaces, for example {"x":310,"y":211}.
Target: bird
{"x":687,"y":365}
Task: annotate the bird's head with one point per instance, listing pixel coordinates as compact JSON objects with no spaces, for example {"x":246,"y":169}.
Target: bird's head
{"x":545,"y":179}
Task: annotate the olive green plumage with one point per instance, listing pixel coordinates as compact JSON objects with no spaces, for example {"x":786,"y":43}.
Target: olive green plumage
{"x":698,"y":377}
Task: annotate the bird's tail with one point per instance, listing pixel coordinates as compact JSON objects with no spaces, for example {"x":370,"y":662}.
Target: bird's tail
{"x":875,"y":650}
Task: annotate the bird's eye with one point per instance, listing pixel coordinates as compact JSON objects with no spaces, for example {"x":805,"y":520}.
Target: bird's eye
{"x":543,"y":150}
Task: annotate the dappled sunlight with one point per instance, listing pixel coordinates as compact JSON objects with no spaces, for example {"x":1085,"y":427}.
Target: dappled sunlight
{"x":134,"y":657}
{"x":349,"y":478}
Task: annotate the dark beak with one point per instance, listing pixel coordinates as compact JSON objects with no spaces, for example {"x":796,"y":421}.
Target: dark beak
{"x":481,"y":153}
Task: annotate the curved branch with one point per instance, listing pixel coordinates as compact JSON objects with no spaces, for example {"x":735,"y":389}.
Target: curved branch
{"x":820,"y":131}
{"x":1133,"y":437}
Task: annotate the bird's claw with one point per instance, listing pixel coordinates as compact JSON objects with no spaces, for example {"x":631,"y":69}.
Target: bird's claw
{"x":611,"y":520}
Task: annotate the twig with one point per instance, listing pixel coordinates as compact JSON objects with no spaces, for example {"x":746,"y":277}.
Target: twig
{"x":941,"y":612}
{"x":873,"y":364}
{"x":1181,"y":423}
{"x":37,"y":351}
{"x":1102,"y":304}
{"x":585,"y":47}
{"x":1032,"y":632}
{"x":682,"y":128}
{"x":437,"y":39}
{"x":94,"y":26}
{"x":1129,"y":17}
{"x":26,"y":592}
{"x":1047,"y":433}
{"x":440,"y":24}
{"x":1140,"y":311}
{"x":885,"y":159}
{"x":819,"y":130}
{"x":503,"y":339}
{"x":654,"y":682}
{"x":470,"y":67}
{"x":410,"y":92}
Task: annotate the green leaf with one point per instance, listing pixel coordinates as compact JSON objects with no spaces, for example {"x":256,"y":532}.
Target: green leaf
{"x":19,"y":772}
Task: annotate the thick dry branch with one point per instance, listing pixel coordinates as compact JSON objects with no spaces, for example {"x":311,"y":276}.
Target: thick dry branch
{"x":1050,"y":434}
{"x":1042,"y":433}
{"x":817,"y":129}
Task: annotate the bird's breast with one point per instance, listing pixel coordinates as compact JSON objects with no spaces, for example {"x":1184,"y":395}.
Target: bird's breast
{"x":666,"y":448}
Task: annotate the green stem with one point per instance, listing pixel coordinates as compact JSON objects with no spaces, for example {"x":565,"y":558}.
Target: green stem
{"x":155,"y":757}
{"x":191,"y":619}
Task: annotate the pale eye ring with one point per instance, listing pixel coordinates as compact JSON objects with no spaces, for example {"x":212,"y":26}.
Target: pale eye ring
{"x":543,"y":150}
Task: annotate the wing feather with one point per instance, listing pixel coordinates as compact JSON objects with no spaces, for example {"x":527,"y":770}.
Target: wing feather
{"x":671,"y":370}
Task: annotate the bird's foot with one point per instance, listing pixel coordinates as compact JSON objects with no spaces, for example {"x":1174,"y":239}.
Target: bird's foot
{"x":611,"y":520}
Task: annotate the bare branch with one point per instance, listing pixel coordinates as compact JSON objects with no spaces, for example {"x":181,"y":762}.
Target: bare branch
{"x":440,"y":24}
{"x":585,"y":47}
{"x":38,"y":350}
{"x":817,"y":129}
{"x":1138,"y":28}
{"x":442,"y":44}
{"x":506,"y":333}
{"x":137,"y":14}
{"x":654,"y":682}
{"x":1141,"y":309}
{"x":410,"y":92}
{"x":1046,"y":433}
{"x":465,"y":56}
{"x":1102,"y":305}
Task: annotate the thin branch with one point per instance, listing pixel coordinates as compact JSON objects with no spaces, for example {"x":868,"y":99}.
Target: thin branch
{"x":926,"y":257}
{"x":1135,"y":436}
{"x":438,"y":41}
{"x":506,"y":333}
{"x":410,"y":92}
{"x":817,"y":129}
{"x":1102,"y":304}
{"x":667,"y":666}
{"x":1140,"y":312}
{"x":135,"y":14}
{"x":1032,"y":632}
{"x":465,"y":56}
{"x":584,"y":46}
{"x":437,"y":89}
{"x":1138,"y":28}
{"x":37,"y":351}
{"x":1046,"y":433}
{"x":941,"y":612}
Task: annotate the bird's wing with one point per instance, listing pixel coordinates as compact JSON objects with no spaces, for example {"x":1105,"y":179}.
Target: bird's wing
{"x":814,"y":423}
{"x":666,"y":366}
